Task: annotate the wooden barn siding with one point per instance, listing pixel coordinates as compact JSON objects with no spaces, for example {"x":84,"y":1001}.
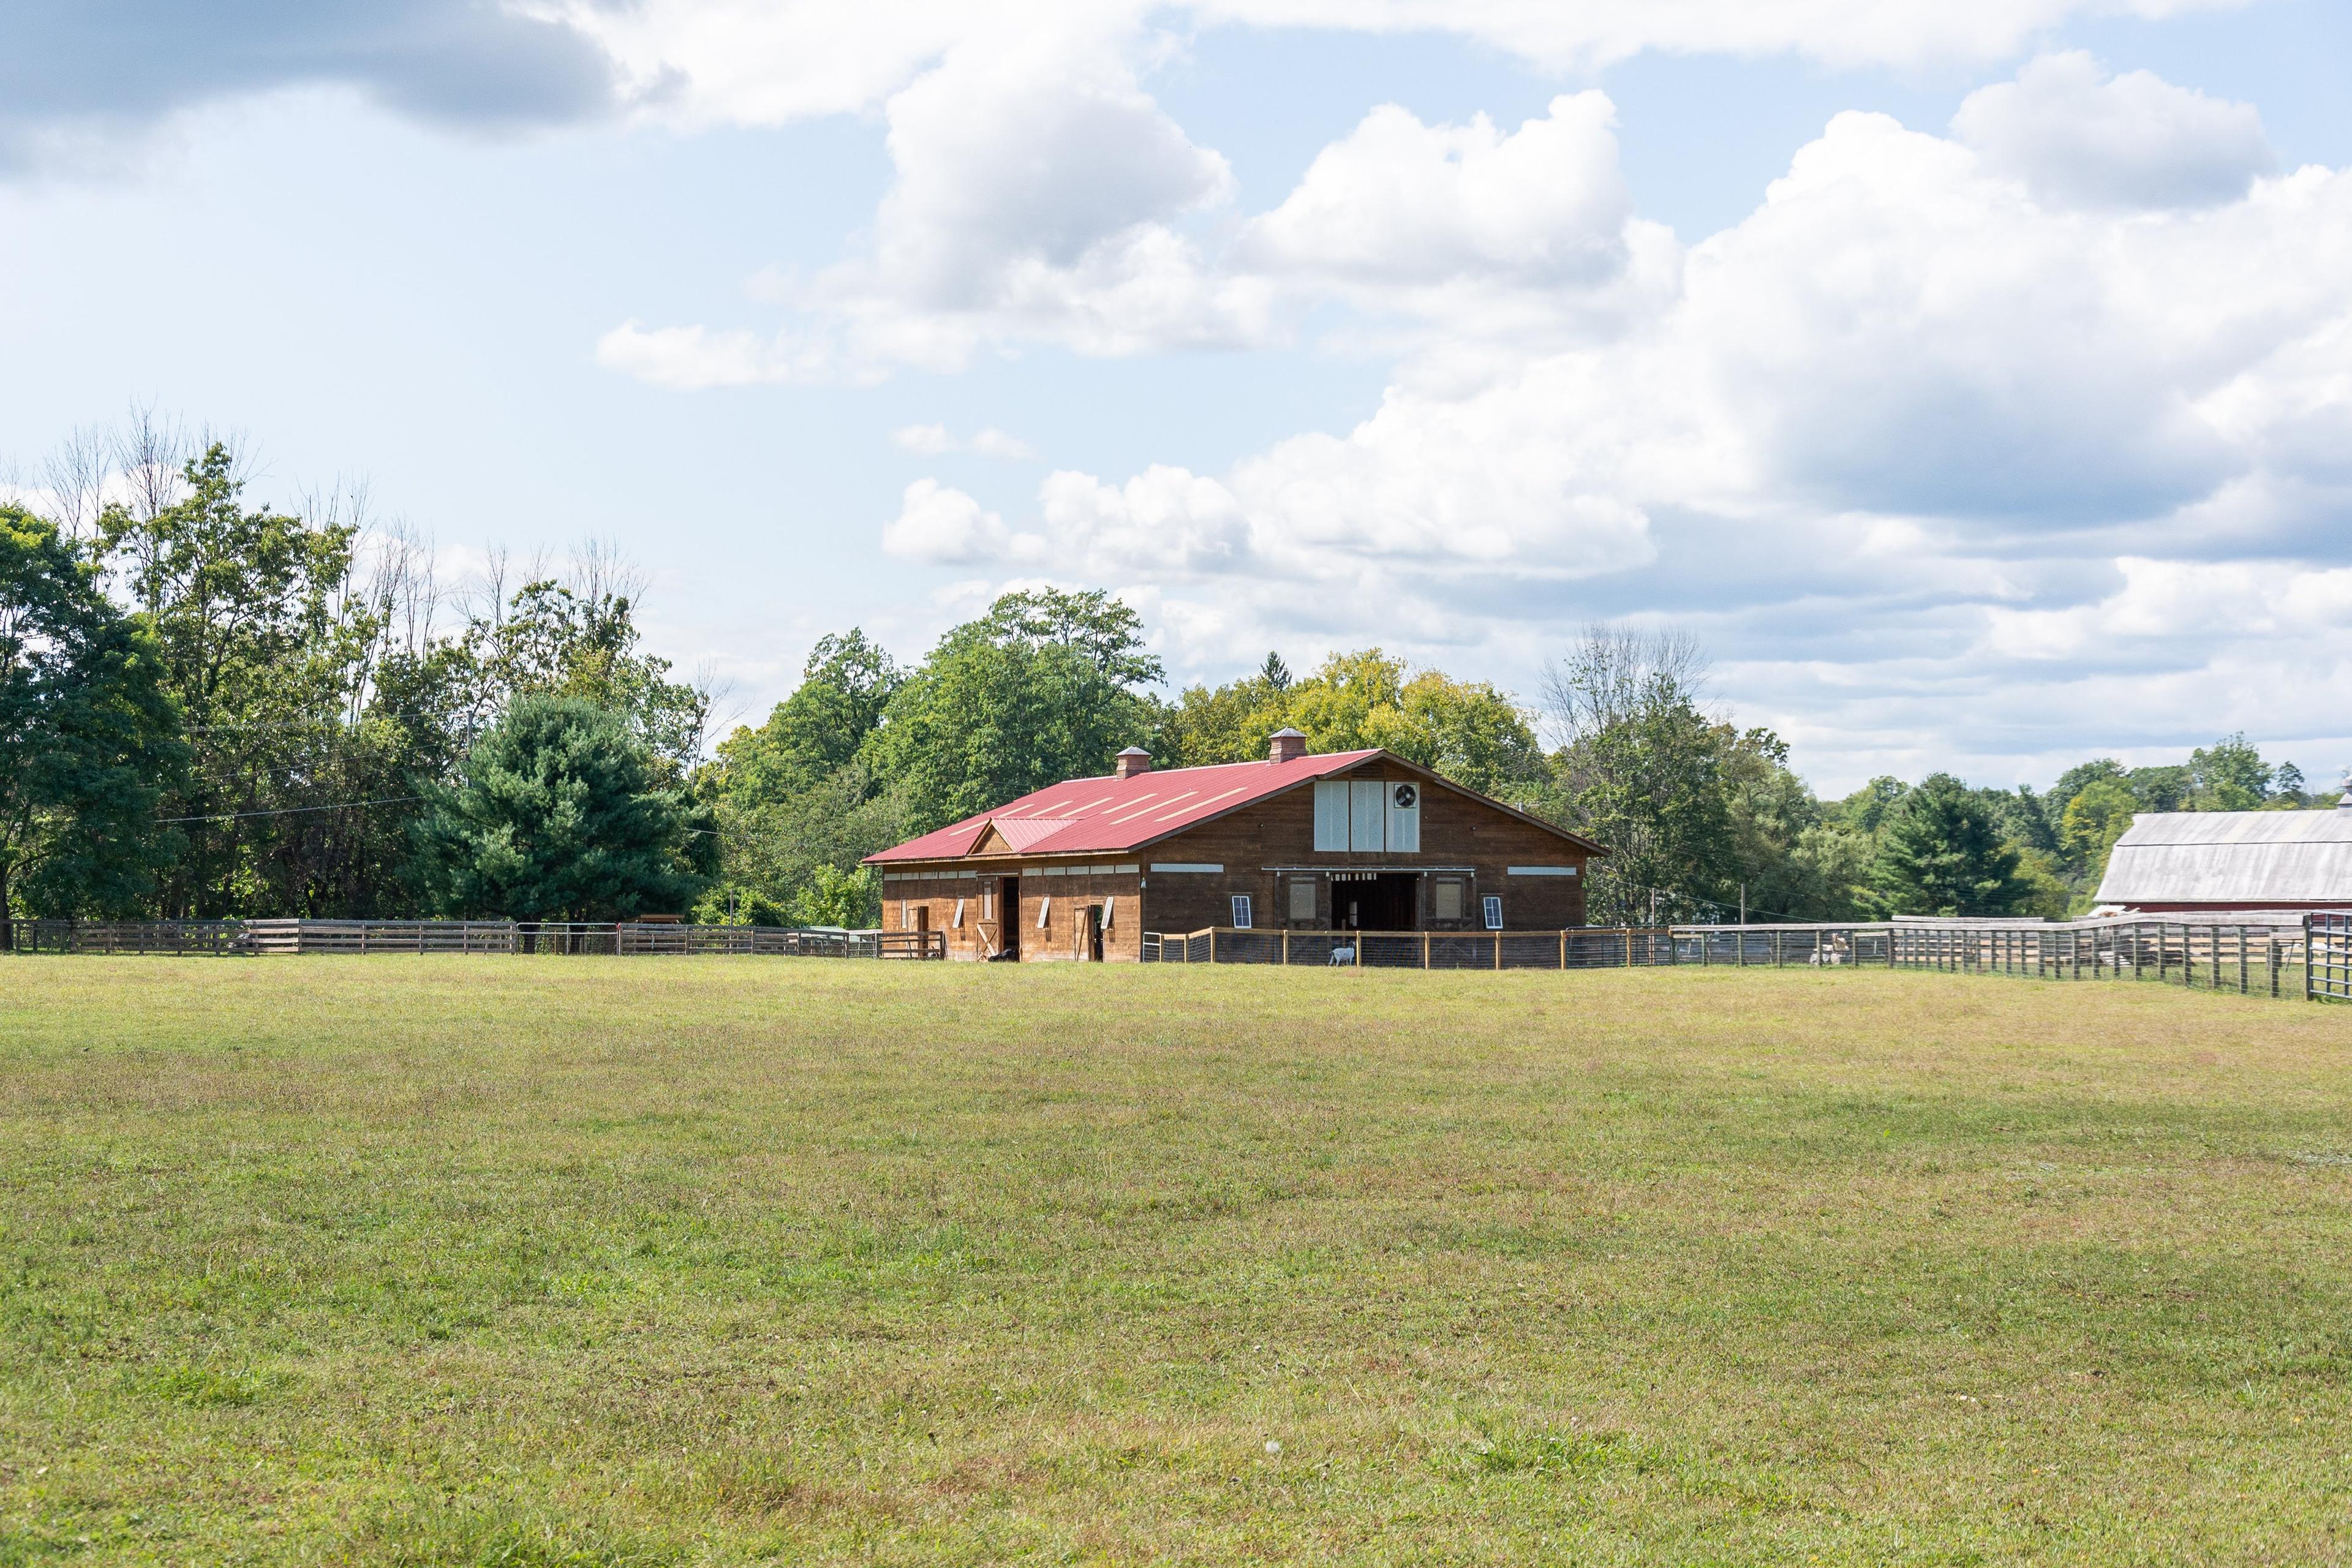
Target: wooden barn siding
{"x":1454,"y":831}
{"x":1054,"y":942}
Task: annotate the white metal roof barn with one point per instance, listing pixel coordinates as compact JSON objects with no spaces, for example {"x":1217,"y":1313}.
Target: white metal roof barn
{"x":2191,"y":860}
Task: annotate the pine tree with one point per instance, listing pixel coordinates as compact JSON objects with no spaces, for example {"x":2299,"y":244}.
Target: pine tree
{"x":86,"y":737}
{"x":1941,"y":853}
{"x":562,"y":816}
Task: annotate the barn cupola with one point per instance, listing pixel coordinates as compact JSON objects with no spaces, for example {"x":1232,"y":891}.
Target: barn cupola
{"x":1288,"y":745}
{"x":1133,"y":761}
{"x":2346,"y":804}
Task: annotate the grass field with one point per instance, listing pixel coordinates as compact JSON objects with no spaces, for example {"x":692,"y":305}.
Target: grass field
{"x":596,"y":1262}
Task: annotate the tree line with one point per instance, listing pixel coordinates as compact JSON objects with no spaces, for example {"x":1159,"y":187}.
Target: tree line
{"x":210,"y":708}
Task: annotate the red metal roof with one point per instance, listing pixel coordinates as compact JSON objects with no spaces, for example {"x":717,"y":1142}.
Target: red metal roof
{"x":1108,"y":816}
{"x":1114,"y":815}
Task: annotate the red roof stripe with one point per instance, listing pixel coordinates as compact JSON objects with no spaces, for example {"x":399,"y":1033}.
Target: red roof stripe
{"x":1211,"y":801}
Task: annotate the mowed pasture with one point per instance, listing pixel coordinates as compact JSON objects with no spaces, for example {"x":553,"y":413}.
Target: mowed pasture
{"x":651,"y":1261}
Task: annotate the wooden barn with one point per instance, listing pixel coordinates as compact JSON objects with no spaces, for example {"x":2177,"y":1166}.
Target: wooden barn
{"x":2224,"y":862}
{"x":1347,"y":840}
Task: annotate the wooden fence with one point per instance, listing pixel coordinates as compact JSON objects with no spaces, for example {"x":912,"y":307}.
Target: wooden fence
{"x":527,"y":938}
{"x":2275,"y":955}
{"x":165,"y":937}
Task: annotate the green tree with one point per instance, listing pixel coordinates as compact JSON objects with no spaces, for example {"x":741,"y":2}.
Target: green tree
{"x":2075,"y":780}
{"x":552,"y":639}
{"x":562,"y":814}
{"x":774,"y":848}
{"x":1644,"y":772}
{"x":1795,"y":861}
{"x":1467,"y":731}
{"x":845,"y":686}
{"x":264,"y":647}
{"x":2097,"y":815}
{"x":835,"y":896}
{"x":88,"y":738}
{"x":1229,"y":723}
{"x":2228,"y":775}
{"x":1865,"y":809}
{"x":1941,"y":852}
{"x":1040,"y":689}
{"x":2165,"y":788}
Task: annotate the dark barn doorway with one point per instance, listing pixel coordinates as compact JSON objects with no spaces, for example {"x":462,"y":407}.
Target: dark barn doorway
{"x":1093,"y":934}
{"x":1008,"y":918}
{"x":1390,"y":901}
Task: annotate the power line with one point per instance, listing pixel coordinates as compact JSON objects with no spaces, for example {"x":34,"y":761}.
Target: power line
{"x":294,"y":810}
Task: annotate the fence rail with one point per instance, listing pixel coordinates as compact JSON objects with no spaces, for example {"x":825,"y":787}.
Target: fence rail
{"x":529,"y":938}
{"x":167,"y":937}
{"x":2258,"y":954}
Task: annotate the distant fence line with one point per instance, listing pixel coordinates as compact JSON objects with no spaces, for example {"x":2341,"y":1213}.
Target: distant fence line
{"x":2278,"y":954}
{"x":2274,"y":954}
{"x":527,"y":938}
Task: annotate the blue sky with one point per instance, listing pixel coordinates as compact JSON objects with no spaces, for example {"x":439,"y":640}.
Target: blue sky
{"x":1975,"y":382}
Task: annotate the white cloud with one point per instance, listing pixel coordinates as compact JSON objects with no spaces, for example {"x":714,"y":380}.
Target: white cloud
{"x":1925,"y":453}
{"x":1836,"y":32}
{"x":768,"y":62}
{"x":2077,"y":138}
{"x":930,"y":439}
{"x":692,"y":358}
{"x":1399,"y":203}
{"x":936,"y":523}
{"x":994,"y":443}
{"x":933,"y":440}
{"x":1039,"y":194}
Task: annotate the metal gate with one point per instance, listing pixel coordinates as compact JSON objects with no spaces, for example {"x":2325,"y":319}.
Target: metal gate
{"x":2327,"y":957}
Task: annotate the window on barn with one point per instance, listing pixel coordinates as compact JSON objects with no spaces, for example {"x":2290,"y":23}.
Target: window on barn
{"x":1446,"y":900}
{"x":907,"y":916}
{"x":1302,"y":901}
{"x":1331,"y":816}
{"x":1404,"y":819}
{"x":1242,"y":912}
{"x":1108,"y":901}
{"x":1044,"y":908}
{"x":1494,"y":913}
{"x":1367,"y":804}
{"x":959,"y":914}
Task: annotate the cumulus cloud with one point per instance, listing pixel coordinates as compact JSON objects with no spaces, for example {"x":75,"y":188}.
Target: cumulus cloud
{"x":2077,"y":138}
{"x":1910,"y":432}
{"x":934,"y":440}
{"x":1398,"y":202}
{"x":766,"y":62}
{"x":1039,"y":194}
{"x":73,"y":70}
{"x":690,"y":359}
{"x":1041,"y":198}
{"x":940,"y":525}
